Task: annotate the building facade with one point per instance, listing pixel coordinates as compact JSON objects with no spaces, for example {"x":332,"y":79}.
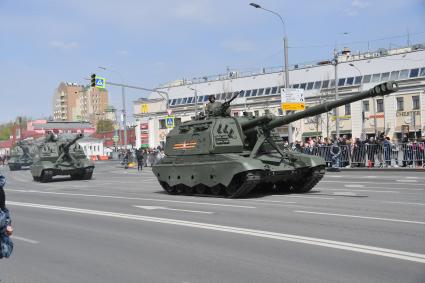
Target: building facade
{"x":74,"y":102}
{"x":392,"y":115}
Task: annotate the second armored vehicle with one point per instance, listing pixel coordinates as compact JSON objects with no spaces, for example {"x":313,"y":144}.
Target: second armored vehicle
{"x":21,"y":156}
{"x":61,"y":157}
{"x":223,"y":155}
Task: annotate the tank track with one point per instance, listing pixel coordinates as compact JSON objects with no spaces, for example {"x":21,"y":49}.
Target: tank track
{"x":243,"y":184}
{"x":308,"y":181}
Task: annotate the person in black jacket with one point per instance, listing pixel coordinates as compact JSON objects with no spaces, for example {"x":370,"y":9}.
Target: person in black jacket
{"x":6,"y":245}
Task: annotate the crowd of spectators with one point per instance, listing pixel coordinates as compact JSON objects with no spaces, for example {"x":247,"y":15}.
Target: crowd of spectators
{"x":377,"y":151}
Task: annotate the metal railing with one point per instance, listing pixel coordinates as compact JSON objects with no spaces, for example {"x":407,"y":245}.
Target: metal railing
{"x":370,"y":155}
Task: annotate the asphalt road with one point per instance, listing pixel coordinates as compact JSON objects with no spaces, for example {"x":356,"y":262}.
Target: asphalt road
{"x":121,"y":227}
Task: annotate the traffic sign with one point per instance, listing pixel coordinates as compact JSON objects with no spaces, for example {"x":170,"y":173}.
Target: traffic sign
{"x":292,"y":99}
{"x":144,"y":108}
{"x":115,"y":138}
{"x":100,"y":82}
{"x":169,"y":122}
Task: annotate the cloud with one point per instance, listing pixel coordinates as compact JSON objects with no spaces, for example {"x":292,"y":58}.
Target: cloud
{"x":238,"y":45}
{"x":122,"y":52}
{"x":356,"y":6}
{"x":64,"y":45}
{"x":359,"y":4}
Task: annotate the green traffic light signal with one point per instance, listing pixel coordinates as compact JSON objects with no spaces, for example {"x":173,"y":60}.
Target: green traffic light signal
{"x":93,"y":80}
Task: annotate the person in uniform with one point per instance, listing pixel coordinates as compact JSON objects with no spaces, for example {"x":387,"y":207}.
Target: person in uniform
{"x":6,"y":230}
{"x":213,"y":109}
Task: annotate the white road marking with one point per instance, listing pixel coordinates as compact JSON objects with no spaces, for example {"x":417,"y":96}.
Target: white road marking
{"x":167,"y":208}
{"x":306,"y":197}
{"x":372,"y":191}
{"x":131,"y":198}
{"x":407,"y":181}
{"x":24,"y":239}
{"x":354,"y":186}
{"x":362,"y":217}
{"x":363,"y":182}
{"x":274,"y":201}
{"x":400,"y":202}
{"x":397,"y":254}
{"x":344,"y":194}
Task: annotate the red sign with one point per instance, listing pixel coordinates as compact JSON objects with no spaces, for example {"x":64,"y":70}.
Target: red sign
{"x":144,"y":136}
{"x":144,"y":126}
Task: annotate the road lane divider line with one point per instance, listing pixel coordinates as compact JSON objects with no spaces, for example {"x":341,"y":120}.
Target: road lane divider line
{"x":132,"y":198}
{"x":24,"y":239}
{"x":396,"y":254}
{"x":401,"y":202}
{"x":365,"y":182}
{"x":354,"y":186}
{"x":168,"y":208}
{"x":362,"y":217}
{"x":365,"y":190}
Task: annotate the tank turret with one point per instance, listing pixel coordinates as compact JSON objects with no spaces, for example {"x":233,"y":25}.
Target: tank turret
{"x":61,"y":157}
{"x":231,"y":156}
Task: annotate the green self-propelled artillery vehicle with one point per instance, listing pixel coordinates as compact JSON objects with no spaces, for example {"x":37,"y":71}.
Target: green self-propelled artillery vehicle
{"x":61,"y":157}
{"x":21,"y":156}
{"x":223,"y":155}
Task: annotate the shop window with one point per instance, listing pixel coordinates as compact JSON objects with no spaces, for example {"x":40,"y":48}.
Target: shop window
{"x":205,"y":98}
{"x":184,"y":100}
{"x":317,"y":85}
{"x":350,"y":81}
{"x":303,"y":85}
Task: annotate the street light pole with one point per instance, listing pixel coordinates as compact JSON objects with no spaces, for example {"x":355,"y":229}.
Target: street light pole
{"x":336,"y":93}
{"x":285,"y":54}
{"x":196,"y":102}
{"x":363,"y":136}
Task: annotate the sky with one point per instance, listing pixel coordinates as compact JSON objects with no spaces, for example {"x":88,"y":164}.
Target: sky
{"x":148,"y":43}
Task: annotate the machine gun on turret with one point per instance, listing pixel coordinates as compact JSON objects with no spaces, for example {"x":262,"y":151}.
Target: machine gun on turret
{"x":222,"y":109}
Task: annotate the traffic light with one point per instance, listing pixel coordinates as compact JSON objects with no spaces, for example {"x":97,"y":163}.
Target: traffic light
{"x":93,"y":80}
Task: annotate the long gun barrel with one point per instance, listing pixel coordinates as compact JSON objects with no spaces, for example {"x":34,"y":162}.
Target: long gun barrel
{"x":67,"y":145}
{"x":270,"y":123}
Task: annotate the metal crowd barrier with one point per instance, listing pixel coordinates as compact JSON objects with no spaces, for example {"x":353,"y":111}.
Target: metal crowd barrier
{"x":370,"y":155}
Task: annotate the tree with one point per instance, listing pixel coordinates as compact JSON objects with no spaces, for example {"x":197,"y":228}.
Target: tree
{"x":104,"y":126}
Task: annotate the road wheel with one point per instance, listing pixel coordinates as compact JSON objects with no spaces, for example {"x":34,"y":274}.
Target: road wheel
{"x":167,"y":188}
{"x":308,"y":181}
{"x":87,"y":175}
{"x":216,"y":190}
{"x":46,"y":176}
{"x":201,"y":189}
